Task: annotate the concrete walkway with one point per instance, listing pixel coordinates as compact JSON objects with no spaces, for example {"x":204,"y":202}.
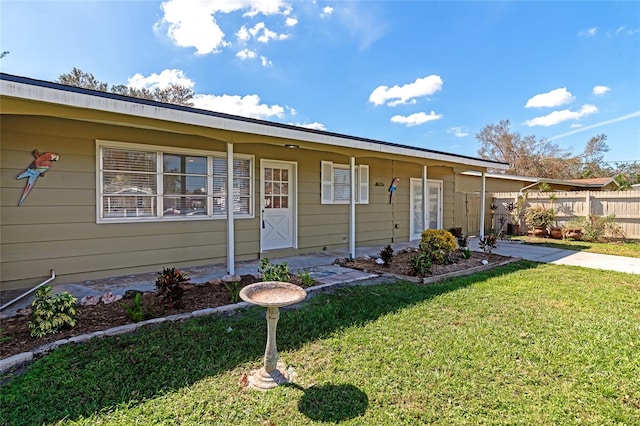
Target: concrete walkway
{"x":320,"y":267}
{"x":564,"y":257}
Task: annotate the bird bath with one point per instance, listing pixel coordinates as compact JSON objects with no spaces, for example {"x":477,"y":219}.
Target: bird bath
{"x":272,"y":295}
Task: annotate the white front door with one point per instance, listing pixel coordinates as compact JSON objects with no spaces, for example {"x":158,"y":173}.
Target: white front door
{"x":434,"y":205}
{"x":278,"y":219}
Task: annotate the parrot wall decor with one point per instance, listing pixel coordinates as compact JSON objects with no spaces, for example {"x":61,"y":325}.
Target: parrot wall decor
{"x":38,"y":167}
{"x":392,"y":188}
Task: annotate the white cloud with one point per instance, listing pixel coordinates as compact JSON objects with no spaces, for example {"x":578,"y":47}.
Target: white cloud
{"x":246,"y":54}
{"x":291,"y":22}
{"x":458,"y":132}
{"x":407,"y":93}
{"x":245,"y":106}
{"x":315,"y":125}
{"x":557,"y":117}
{"x":193,"y":23}
{"x":600,"y":90}
{"x":265,"y":61}
{"x":326,"y":11}
{"x":589,"y":32}
{"x":243,"y":34}
{"x":551,"y":99}
{"x":259,"y":32}
{"x":576,"y":125}
{"x":415,"y":119}
{"x":165,"y":79}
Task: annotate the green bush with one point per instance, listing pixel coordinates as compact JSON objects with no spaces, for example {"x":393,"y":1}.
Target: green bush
{"x":306,"y":278}
{"x":539,"y":217}
{"x":51,"y":313}
{"x":438,"y":244}
{"x":598,"y":228}
{"x":419,"y":264}
{"x":274,"y":272}
{"x":135,"y":312}
{"x":234,"y":291}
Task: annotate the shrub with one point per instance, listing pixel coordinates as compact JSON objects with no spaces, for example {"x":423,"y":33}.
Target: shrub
{"x":234,"y":290}
{"x":419,"y":264}
{"x":273,"y":272}
{"x":386,"y":254}
{"x":306,"y":279}
{"x":438,"y":244}
{"x":539,"y":217}
{"x":488,"y":243}
{"x":52,"y":313}
{"x":460,"y":238}
{"x":598,"y":228}
{"x":135,"y":312}
{"x":466,"y":253}
{"x":169,"y":285}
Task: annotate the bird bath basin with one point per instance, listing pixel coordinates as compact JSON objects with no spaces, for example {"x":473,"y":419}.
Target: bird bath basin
{"x":272,"y":295}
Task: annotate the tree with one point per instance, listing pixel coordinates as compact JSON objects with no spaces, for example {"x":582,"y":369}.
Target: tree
{"x":79,"y":78}
{"x":627,"y":174}
{"x":527,"y":156}
{"x":593,"y":164}
{"x":173,"y":94}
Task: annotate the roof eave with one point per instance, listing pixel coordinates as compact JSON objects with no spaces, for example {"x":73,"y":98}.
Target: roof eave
{"x":48,"y":92}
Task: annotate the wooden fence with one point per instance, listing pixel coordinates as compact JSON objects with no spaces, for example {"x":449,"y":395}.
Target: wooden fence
{"x":569,"y":205}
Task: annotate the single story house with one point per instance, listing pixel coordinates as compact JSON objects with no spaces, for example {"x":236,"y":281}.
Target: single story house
{"x":121,"y":185}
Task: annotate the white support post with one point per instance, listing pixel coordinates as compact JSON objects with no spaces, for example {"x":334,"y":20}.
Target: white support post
{"x":352,"y":210}
{"x":231,"y":262}
{"x":483,"y":203}
{"x":425,"y":200}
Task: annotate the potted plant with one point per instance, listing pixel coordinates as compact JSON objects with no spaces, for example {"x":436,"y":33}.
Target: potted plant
{"x":554,"y":231}
{"x":539,"y":218}
{"x":515,"y":210}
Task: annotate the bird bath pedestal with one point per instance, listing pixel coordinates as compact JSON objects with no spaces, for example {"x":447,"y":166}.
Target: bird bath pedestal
{"x":272,"y":295}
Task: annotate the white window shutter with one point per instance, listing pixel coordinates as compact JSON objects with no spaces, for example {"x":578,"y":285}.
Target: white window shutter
{"x":326,"y":178}
{"x":363,"y":181}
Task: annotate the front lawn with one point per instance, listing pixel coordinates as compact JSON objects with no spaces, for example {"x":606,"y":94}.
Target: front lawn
{"x":522,"y":344}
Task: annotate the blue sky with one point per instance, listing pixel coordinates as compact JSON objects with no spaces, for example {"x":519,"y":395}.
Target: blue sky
{"x":426,"y":74}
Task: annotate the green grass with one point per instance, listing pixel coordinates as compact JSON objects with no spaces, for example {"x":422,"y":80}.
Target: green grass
{"x":616,"y":248}
{"x":522,"y":344}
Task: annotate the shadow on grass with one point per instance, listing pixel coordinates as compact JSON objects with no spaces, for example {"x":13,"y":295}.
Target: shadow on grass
{"x":332,"y":403}
{"x":77,"y":381}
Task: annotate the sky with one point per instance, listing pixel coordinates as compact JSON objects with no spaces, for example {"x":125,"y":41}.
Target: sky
{"x":429,"y":74}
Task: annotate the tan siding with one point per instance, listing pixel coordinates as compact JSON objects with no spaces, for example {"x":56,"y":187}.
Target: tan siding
{"x":56,"y":227}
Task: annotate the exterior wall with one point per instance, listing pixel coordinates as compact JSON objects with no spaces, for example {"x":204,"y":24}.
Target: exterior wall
{"x":56,"y":229}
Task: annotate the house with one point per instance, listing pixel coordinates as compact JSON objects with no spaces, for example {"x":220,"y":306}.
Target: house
{"x":139,"y":185}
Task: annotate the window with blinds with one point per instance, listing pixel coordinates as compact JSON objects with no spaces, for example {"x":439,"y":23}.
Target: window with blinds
{"x":336,"y":183}
{"x":139,"y":184}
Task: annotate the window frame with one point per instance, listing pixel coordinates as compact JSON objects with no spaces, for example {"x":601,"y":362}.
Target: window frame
{"x":328,"y":186}
{"x":160,"y":195}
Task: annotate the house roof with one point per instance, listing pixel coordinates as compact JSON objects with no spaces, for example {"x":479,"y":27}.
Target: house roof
{"x":594,"y":181}
{"x":581,"y":183}
{"x":29,"y":89}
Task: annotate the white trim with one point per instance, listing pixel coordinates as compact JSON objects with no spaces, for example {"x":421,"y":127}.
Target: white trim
{"x":352,"y":208}
{"x":293,"y":193}
{"x":102,"y":143}
{"x":231,"y":242}
{"x":327,"y":183}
